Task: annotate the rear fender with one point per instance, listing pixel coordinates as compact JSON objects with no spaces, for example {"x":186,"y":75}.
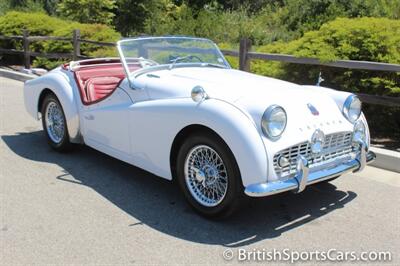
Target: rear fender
{"x":64,"y":87}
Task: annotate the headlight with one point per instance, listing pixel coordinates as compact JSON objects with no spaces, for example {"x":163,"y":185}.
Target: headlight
{"x":352,"y":108}
{"x":198,"y":94}
{"x":359,"y":132}
{"x":273,"y":121}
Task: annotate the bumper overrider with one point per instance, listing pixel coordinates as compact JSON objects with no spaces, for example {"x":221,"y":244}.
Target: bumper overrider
{"x":306,"y":177}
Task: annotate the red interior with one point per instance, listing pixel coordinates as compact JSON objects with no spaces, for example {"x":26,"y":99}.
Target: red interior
{"x":99,"y":80}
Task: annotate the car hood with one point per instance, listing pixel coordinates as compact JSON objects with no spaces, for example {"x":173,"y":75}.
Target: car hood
{"x":251,"y":93}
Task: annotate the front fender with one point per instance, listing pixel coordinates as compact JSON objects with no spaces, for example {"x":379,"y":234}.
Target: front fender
{"x":60,"y":84}
{"x":157,"y":123}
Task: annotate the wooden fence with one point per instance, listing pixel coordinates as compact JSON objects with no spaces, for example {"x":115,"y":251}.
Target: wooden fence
{"x":245,"y":56}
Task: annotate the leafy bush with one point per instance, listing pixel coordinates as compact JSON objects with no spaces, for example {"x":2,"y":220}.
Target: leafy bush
{"x":40,"y":24}
{"x":304,"y":15}
{"x":13,"y":22}
{"x":363,"y":39}
{"x":95,"y":32}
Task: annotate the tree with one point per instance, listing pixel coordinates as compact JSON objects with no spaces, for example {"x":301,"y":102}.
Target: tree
{"x":130,"y":15}
{"x":50,"y":6}
{"x":251,"y":5}
{"x":87,"y":11}
{"x":22,"y":5}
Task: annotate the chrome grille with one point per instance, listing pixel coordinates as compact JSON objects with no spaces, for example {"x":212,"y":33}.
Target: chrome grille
{"x":335,"y":146}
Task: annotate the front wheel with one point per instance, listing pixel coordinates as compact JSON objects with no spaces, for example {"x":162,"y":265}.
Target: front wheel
{"x":54,"y":123}
{"x":209,"y":176}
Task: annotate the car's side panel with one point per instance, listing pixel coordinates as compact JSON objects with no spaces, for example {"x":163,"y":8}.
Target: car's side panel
{"x":62,"y":85}
{"x":105,"y":125}
{"x":155,"y":124}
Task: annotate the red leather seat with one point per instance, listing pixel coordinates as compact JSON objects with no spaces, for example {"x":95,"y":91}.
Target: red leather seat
{"x":99,"y":88}
{"x":96,"y":82}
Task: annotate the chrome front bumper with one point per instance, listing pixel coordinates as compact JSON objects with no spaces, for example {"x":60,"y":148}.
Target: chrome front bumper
{"x":304,"y":177}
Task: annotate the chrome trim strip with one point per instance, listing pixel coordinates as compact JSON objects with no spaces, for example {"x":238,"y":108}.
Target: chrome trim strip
{"x":362,"y":157}
{"x":302,"y":173}
{"x":371,"y":156}
{"x":303,"y":178}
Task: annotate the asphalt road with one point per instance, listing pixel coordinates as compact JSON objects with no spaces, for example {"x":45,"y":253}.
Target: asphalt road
{"x":84,"y":207}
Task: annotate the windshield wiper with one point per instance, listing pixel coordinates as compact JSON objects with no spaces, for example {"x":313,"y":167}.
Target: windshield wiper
{"x":180,"y":58}
{"x":177,"y":59}
{"x":213,"y":65}
{"x":203,"y":64}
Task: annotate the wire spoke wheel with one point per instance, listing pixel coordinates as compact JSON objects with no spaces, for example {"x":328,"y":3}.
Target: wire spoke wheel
{"x":55,"y":123}
{"x":206,"y":175}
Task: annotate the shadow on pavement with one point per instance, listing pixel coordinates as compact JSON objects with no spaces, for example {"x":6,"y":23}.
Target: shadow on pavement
{"x":158,"y":203}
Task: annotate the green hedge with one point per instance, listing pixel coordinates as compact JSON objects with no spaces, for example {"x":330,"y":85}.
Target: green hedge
{"x":40,"y":24}
{"x":363,"y":39}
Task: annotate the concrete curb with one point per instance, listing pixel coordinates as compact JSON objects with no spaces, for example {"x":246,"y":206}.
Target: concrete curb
{"x":385,"y":159}
{"x":16,"y":75}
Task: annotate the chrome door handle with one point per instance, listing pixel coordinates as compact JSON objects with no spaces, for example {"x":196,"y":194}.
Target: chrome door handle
{"x":89,"y":117}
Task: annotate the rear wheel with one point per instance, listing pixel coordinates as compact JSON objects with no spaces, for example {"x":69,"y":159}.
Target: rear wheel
{"x":54,"y":123}
{"x":209,"y":176}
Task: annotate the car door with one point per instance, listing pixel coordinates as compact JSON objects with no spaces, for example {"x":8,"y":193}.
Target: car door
{"x":106,"y":125}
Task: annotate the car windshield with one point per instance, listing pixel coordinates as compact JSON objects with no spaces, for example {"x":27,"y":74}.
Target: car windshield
{"x":170,"y":52}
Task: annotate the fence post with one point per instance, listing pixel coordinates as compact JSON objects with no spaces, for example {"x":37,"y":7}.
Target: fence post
{"x":244,"y":61}
{"x":27,"y":56}
{"x":76,"y":35}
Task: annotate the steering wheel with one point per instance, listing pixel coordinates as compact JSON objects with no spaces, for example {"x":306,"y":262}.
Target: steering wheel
{"x":187,"y":57}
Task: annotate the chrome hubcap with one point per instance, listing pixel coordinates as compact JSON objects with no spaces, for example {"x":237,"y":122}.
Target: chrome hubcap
{"x":55,"y":123}
{"x":206,"y":176}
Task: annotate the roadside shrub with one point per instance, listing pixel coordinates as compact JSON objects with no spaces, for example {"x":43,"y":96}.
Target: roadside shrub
{"x":14,"y":22}
{"x":363,"y":39}
{"x":304,"y":15}
{"x":95,"y":32}
{"x":40,"y":24}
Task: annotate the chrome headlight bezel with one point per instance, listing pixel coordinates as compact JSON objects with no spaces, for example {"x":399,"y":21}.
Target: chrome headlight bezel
{"x":273,"y":114}
{"x":352,"y":108}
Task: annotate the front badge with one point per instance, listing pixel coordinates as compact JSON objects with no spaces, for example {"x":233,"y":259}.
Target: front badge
{"x":313,"y":110}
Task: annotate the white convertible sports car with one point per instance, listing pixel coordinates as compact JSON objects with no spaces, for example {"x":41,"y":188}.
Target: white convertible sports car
{"x":174,"y":107}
